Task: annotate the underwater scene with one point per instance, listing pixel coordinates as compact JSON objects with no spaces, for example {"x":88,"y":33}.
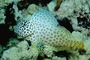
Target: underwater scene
{"x":45,"y":29}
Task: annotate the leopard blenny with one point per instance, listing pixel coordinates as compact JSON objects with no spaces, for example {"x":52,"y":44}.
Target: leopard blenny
{"x":43,"y":27}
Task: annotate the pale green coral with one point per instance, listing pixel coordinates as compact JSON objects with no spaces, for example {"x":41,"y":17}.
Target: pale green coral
{"x":2,"y":16}
{"x":32,"y":8}
{"x":4,"y":3}
{"x":21,"y":51}
{"x":12,"y":42}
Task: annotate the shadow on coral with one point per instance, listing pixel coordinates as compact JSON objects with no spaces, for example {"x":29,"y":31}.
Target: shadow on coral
{"x":25,"y":3}
{"x":66,"y":23}
{"x":63,"y":54}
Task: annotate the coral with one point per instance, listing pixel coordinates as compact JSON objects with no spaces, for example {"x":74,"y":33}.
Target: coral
{"x":12,"y":42}
{"x":25,"y":3}
{"x":83,"y":57}
{"x":83,"y":20}
{"x":77,"y":11}
{"x":24,"y":13}
{"x":2,"y":16}
{"x":32,"y":8}
{"x":43,"y":28}
{"x":77,"y":36}
{"x":1,"y":49}
{"x":58,"y":58}
{"x":49,"y":6}
{"x":4,"y":3}
{"x":20,"y":52}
